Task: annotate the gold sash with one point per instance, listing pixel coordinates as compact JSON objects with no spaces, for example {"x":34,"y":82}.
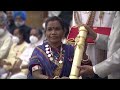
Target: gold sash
{"x":57,"y":71}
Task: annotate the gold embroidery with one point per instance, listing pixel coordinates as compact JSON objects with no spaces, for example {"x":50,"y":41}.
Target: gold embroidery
{"x":57,"y":71}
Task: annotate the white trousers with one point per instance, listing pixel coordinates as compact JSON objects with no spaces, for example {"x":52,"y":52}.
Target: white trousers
{"x":95,"y":54}
{"x":2,"y":71}
{"x":19,"y":76}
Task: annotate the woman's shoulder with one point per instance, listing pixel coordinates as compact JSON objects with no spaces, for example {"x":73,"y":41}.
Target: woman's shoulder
{"x":68,"y":45}
{"x":40,"y":46}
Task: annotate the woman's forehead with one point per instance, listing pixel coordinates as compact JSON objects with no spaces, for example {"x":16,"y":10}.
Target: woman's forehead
{"x":54,"y":23}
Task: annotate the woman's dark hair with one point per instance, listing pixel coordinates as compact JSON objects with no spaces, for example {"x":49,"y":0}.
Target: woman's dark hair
{"x":40,"y":32}
{"x":55,"y":18}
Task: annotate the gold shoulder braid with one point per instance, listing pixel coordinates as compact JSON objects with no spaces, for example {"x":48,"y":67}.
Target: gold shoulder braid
{"x":77,"y":18}
{"x":91,"y":18}
{"x":78,"y":21}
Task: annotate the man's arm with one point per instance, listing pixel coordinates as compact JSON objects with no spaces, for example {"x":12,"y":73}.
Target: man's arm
{"x":102,"y":41}
{"x":104,"y":68}
{"x":4,"y":50}
{"x":109,"y":65}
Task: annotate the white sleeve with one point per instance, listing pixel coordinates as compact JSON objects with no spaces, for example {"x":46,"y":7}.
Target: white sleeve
{"x":4,"y":50}
{"x":97,"y":37}
{"x":108,"y":66}
{"x":23,"y":57}
{"x":94,"y":69}
{"x":102,"y":41}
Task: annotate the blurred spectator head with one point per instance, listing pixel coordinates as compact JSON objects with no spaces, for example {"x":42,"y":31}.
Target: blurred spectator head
{"x":10,"y":15}
{"x":35,"y":35}
{"x":3,"y":22}
{"x":19,"y":35}
{"x":3,"y":18}
{"x":20,"y":18}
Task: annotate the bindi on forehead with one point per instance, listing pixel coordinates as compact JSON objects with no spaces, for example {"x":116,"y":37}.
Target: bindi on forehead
{"x":54,"y":24}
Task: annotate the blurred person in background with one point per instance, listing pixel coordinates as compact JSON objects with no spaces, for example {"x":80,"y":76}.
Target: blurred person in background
{"x":19,"y":45}
{"x":5,"y":40}
{"x":20,"y":18}
{"x":11,"y":24}
{"x":22,"y":64}
{"x":111,"y":66}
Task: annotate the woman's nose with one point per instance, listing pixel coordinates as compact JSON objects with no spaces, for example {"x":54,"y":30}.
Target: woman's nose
{"x":53,"y":31}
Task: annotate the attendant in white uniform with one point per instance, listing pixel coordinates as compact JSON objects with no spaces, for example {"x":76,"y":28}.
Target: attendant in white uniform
{"x":111,"y":66}
{"x":101,"y":19}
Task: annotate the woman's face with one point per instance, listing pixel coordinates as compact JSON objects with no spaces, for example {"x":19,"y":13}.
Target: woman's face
{"x":54,"y":32}
{"x":18,"y":34}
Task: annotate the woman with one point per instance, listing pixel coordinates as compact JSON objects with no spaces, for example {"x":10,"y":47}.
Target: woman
{"x":52,"y":59}
{"x":19,"y":45}
{"x":52,"y":55}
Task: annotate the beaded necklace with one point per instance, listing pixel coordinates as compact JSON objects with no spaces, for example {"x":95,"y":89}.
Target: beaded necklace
{"x":57,"y":59}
